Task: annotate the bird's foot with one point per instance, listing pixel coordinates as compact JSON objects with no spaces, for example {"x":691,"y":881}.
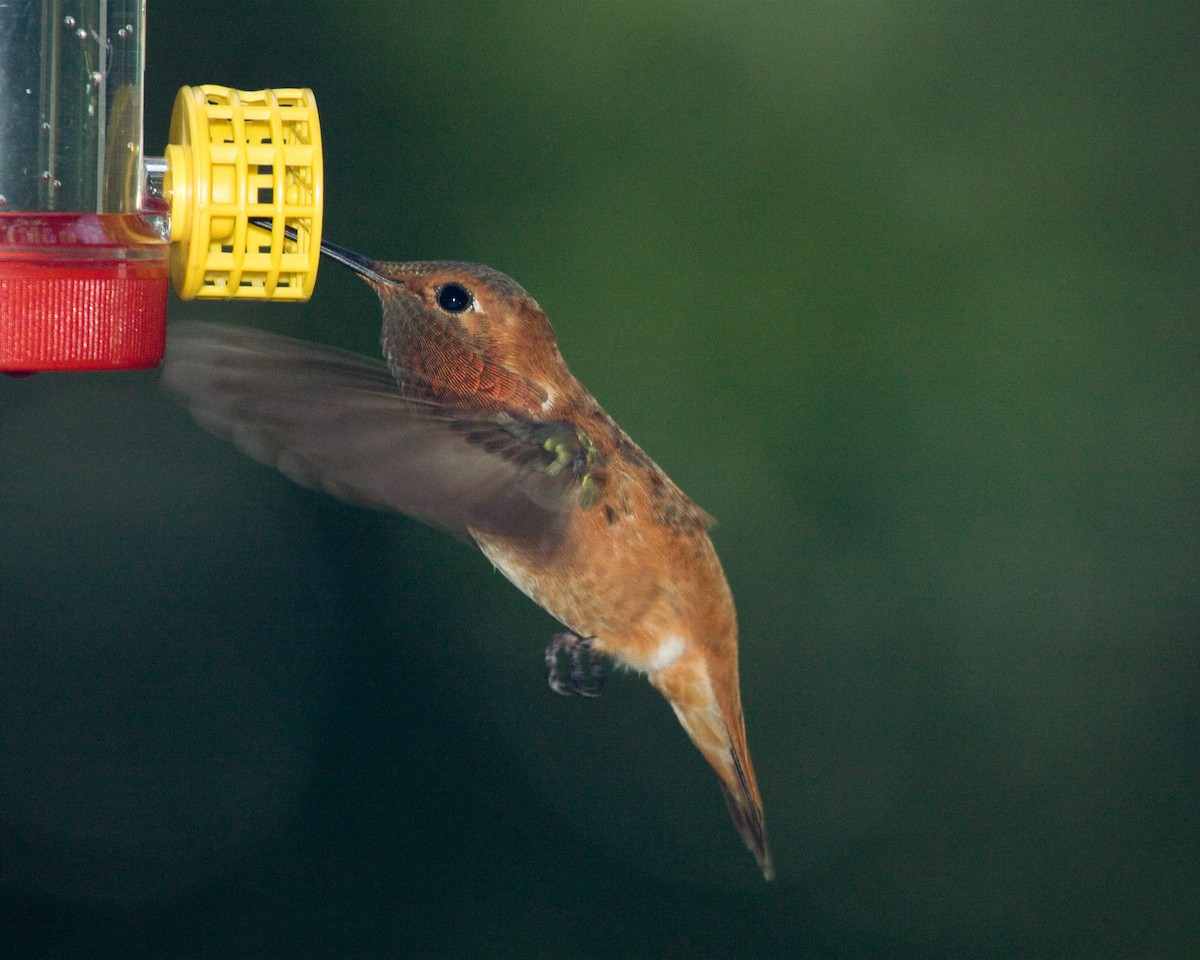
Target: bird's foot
{"x":572,"y":669}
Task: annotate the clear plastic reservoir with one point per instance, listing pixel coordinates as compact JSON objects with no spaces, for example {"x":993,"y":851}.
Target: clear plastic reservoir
{"x":83,"y":269}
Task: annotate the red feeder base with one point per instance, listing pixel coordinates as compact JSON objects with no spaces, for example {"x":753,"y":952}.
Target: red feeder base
{"x":81,"y":291}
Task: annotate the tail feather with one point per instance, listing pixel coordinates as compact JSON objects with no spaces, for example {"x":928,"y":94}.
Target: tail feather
{"x":715,"y":725}
{"x":746,"y":809}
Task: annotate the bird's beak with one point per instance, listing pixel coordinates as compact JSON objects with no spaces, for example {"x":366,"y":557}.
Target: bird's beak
{"x":363,"y":266}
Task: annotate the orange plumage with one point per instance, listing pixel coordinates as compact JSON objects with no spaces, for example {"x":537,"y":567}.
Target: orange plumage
{"x":477,"y":427}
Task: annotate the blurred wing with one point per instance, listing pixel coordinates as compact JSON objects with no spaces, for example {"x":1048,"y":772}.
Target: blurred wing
{"x":335,"y":421}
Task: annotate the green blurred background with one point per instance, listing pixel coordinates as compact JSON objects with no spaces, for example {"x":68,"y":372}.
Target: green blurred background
{"x":905,"y":294}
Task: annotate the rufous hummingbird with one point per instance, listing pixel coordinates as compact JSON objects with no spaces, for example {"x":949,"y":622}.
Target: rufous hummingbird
{"x":476,"y":426}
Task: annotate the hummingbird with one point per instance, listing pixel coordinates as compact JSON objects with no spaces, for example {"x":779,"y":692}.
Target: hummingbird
{"x":475,"y":426}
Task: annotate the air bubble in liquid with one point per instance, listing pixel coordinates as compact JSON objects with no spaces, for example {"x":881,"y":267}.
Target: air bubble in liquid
{"x":68,"y":21}
{"x":81,"y":33}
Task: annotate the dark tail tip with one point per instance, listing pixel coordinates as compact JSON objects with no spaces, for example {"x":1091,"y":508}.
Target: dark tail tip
{"x":748,"y":818}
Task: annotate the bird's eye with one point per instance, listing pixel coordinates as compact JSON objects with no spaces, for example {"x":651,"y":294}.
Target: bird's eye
{"x":454,"y":298}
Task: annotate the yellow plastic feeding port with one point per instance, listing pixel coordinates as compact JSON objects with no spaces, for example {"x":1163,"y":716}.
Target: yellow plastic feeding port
{"x":235,"y":155}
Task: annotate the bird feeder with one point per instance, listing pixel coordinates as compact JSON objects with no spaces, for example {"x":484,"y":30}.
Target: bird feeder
{"x":92,"y":232}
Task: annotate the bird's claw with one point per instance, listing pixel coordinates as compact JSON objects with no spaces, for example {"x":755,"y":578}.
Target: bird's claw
{"x":572,"y":669}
